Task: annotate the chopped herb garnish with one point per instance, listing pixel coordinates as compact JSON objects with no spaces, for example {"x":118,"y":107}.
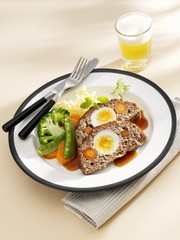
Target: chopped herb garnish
{"x":93,"y":102}
{"x":121,"y":87}
{"x":102,"y":99}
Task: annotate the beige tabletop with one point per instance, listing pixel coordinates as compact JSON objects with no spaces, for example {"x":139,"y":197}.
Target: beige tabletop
{"x":41,"y":40}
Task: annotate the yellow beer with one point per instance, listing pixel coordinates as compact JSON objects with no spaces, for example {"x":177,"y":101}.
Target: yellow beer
{"x":134,"y":34}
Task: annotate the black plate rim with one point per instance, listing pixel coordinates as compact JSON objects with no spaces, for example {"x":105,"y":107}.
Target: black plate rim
{"x":128,"y":180}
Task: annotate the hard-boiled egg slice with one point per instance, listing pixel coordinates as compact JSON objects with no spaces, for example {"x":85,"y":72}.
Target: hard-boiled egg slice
{"x":102,"y":116}
{"x":106,"y":142}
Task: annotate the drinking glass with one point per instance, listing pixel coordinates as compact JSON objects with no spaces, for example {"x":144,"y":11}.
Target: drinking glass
{"x":134,"y":32}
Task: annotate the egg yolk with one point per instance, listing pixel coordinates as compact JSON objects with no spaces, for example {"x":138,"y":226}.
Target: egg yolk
{"x":105,"y":116}
{"x":105,"y":143}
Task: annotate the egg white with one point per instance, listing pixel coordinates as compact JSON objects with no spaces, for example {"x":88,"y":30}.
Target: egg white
{"x":94,"y":120}
{"x":110,"y":133}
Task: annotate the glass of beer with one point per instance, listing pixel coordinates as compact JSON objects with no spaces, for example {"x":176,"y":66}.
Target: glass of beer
{"x":134,"y":34}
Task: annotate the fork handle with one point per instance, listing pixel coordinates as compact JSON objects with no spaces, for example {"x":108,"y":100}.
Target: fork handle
{"x":22,"y":115}
{"x":32,"y":124}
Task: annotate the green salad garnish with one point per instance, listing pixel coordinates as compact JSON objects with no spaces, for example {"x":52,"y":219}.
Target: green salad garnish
{"x":120,"y":88}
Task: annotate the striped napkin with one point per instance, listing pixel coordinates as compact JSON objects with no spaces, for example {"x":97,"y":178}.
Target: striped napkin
{"x":96,"y":208}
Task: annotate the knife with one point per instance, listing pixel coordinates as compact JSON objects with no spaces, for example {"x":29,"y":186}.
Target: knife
{"x":22,"y":115}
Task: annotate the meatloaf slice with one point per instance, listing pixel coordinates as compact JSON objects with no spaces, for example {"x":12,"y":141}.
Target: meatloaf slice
{"x":131,"y":112}
{"x":126,"y":136}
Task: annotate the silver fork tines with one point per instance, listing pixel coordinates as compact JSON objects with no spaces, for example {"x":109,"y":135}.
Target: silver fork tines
{"x":79,"y":69}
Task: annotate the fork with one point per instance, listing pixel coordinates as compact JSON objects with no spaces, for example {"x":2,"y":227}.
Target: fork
{"x":81,"y":70}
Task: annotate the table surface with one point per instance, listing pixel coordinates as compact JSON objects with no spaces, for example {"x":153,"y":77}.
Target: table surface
{"x":41,"y":40}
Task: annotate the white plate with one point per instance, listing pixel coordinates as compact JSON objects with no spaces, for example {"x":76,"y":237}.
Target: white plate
{"x":157,"y":107}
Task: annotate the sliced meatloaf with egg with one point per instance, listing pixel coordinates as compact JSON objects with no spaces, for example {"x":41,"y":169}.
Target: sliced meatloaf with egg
{"x":112,"y":110}
{"x":107,"y":142}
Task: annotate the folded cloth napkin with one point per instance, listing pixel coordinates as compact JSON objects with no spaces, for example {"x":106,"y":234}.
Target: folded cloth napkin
{"x":97,"y":207}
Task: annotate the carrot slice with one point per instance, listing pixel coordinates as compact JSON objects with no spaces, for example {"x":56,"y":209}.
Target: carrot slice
{"x":120,"y":107}
{"x":60,"y":155}
{"x":87,"y":130}
{"x":50,"y":155}
{"x":125,"y":133}
{"x":90,"y":153}
{"x":75,"y":118}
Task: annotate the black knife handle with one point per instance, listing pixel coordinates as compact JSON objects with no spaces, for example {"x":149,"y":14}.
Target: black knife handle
{"x":22,"y":115}
{"x":32,"y":124}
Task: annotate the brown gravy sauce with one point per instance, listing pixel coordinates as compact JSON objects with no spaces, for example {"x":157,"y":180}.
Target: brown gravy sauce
{"x":73,"y":165}
{"x":122,"y":161}
{"x":142,"y":122}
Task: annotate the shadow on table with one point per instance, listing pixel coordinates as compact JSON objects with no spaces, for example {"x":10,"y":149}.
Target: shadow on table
{"x":118,"y":64}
